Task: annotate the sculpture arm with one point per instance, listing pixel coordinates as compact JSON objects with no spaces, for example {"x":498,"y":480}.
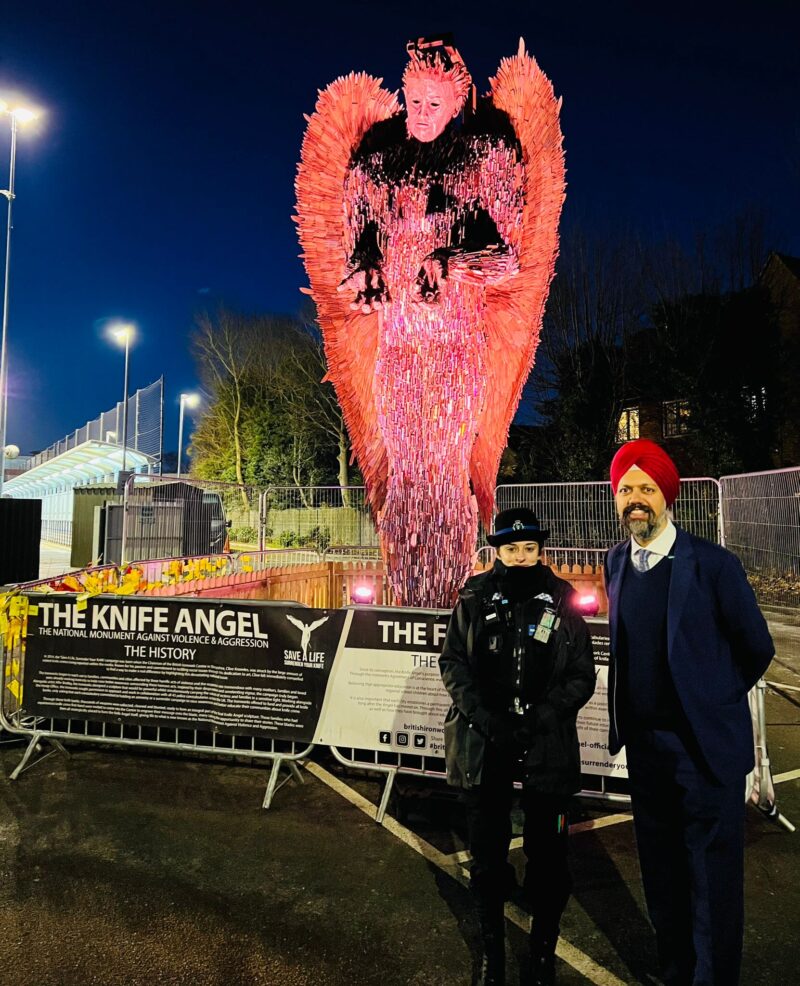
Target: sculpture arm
{"x":363,"y":275}
{"x":485,"y":249}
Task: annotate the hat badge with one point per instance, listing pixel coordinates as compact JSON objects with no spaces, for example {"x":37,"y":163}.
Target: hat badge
{"x":517,"y":526}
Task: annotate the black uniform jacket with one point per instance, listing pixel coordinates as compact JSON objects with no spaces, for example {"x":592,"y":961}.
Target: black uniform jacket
{"x":559,"y":681}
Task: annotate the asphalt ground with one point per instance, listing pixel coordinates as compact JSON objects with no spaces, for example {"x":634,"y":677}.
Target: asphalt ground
{"x":123,"y":867}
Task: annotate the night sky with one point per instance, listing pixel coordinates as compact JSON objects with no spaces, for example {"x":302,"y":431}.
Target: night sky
{"x":160,"y":180}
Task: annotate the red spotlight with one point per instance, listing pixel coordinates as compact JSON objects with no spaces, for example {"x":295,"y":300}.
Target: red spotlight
{"x":588,"y":604}
{"x":363,"y":595}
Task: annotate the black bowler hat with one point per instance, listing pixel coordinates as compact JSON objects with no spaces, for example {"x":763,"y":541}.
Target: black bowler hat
{"x":518,"y":524}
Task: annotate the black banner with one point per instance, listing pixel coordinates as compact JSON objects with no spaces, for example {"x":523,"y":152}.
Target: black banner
{"x":392,"y":629}
{"x":234,"y":667}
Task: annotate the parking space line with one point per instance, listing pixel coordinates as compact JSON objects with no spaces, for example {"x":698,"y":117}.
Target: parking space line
{"x":587,"y":826}
{"x":600,"y":823}
{"x":789,"y":775}
{"x":587,"y":967}
{"x":781,"y":684}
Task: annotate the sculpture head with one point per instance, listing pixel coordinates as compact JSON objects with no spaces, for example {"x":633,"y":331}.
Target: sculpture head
{"x":435,"y":85}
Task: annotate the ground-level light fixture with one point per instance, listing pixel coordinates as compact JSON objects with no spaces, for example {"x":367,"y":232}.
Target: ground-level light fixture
{"x":588,"y":604}
{"x":363,"y":594}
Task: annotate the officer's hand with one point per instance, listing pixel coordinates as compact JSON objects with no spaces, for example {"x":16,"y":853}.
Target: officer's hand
{"x":501,"y":732}
{"x":525,"y":730}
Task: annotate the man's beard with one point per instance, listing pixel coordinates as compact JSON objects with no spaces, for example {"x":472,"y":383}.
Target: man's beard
{"x":642,"y":530}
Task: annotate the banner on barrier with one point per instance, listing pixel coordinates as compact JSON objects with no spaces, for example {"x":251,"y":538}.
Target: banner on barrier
{"x":386,"y":692}
{"x":255,"y":668}
{"x":365,"y":678}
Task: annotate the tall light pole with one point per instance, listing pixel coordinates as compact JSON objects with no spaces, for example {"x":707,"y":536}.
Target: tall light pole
{"x":123,"y":335}
{"x":16,"y":115}
{"x":187,"y":400}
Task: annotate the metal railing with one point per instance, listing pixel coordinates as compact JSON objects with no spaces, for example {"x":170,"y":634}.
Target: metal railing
{"x":583,"y":522}
{"x":170,"y":516}
{"x":761,"y":525}
{"x":145,"y":415}
{"x":325,"y":517}
{"x":42,"y":731}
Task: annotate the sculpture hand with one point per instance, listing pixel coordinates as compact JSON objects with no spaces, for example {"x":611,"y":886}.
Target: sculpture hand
{"x":369,"y":288}
{"x":430,"y":279}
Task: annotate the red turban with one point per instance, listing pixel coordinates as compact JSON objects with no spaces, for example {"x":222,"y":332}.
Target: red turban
{"x":650,"y":458}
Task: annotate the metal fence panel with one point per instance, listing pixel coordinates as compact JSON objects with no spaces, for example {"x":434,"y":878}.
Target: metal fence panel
{"x":57,"y":516}
{"x":41,"y":731}
{"x":167,"y":516}
{"x":582,"y":519}
{"x":323,"y":517}
{"x":761,"y":525}
{"x":145,"y":420}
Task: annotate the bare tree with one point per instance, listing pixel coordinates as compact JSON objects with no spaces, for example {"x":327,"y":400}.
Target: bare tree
{"x":304,"y":392}
{"x":225,"y":349}
{"x":269,"y":408}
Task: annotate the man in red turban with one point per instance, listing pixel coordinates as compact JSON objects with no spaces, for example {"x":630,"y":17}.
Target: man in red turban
{"x":688,"y":642}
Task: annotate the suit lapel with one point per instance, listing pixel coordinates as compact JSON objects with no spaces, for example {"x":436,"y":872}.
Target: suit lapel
{"x":679,"y":583}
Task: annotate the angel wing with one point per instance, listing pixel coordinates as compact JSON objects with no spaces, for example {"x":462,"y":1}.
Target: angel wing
{"x":318,"y":623}
{"x":343,"y":114}
{"x":295,"y":622}
{"x":514,"y":309}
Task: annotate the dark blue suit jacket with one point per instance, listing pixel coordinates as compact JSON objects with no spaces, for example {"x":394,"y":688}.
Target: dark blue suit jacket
{"x":718,"y":646}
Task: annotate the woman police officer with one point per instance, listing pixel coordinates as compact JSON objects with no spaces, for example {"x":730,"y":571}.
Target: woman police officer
{"x":517,"y":662}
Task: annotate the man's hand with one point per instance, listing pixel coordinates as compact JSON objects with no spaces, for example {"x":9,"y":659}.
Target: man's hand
{"x":430,"y":279}
{"x":369,"y":288}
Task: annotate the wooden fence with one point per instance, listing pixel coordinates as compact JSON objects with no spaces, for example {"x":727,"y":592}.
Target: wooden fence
{"x":330,"y":584}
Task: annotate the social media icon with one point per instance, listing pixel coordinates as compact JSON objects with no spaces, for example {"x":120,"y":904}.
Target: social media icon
{"x":420,"y":741}
{"x":384,"y":737}
{"x":401,"y":739}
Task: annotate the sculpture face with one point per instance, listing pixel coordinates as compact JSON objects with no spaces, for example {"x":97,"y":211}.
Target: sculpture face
{"x":430,"y":106}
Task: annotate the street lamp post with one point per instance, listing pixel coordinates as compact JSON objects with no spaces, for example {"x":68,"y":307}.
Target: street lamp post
{"x":123,"y":335}
{"x":189,"y":400}
{"x":18,"y":115}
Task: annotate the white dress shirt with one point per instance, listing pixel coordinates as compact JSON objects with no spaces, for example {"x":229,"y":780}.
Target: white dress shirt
{"x":659,"y":547}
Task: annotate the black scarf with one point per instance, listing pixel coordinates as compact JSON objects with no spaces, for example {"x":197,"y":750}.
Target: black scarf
{"x":520,"y":583}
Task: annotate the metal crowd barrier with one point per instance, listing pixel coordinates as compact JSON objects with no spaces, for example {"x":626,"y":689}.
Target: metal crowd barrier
{"x":434,"y":767}
{"x":760,"y":792}
{"x":42,"y":730}
{"x":582,"y":518}
{"x":761,"y":524}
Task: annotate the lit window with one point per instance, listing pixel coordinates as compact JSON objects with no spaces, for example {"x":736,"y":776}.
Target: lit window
{"x":628,"y":424}
{"x":676,"y":418}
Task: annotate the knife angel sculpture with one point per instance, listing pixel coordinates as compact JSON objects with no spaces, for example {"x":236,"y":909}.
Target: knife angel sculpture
{"x":429,"y":234}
